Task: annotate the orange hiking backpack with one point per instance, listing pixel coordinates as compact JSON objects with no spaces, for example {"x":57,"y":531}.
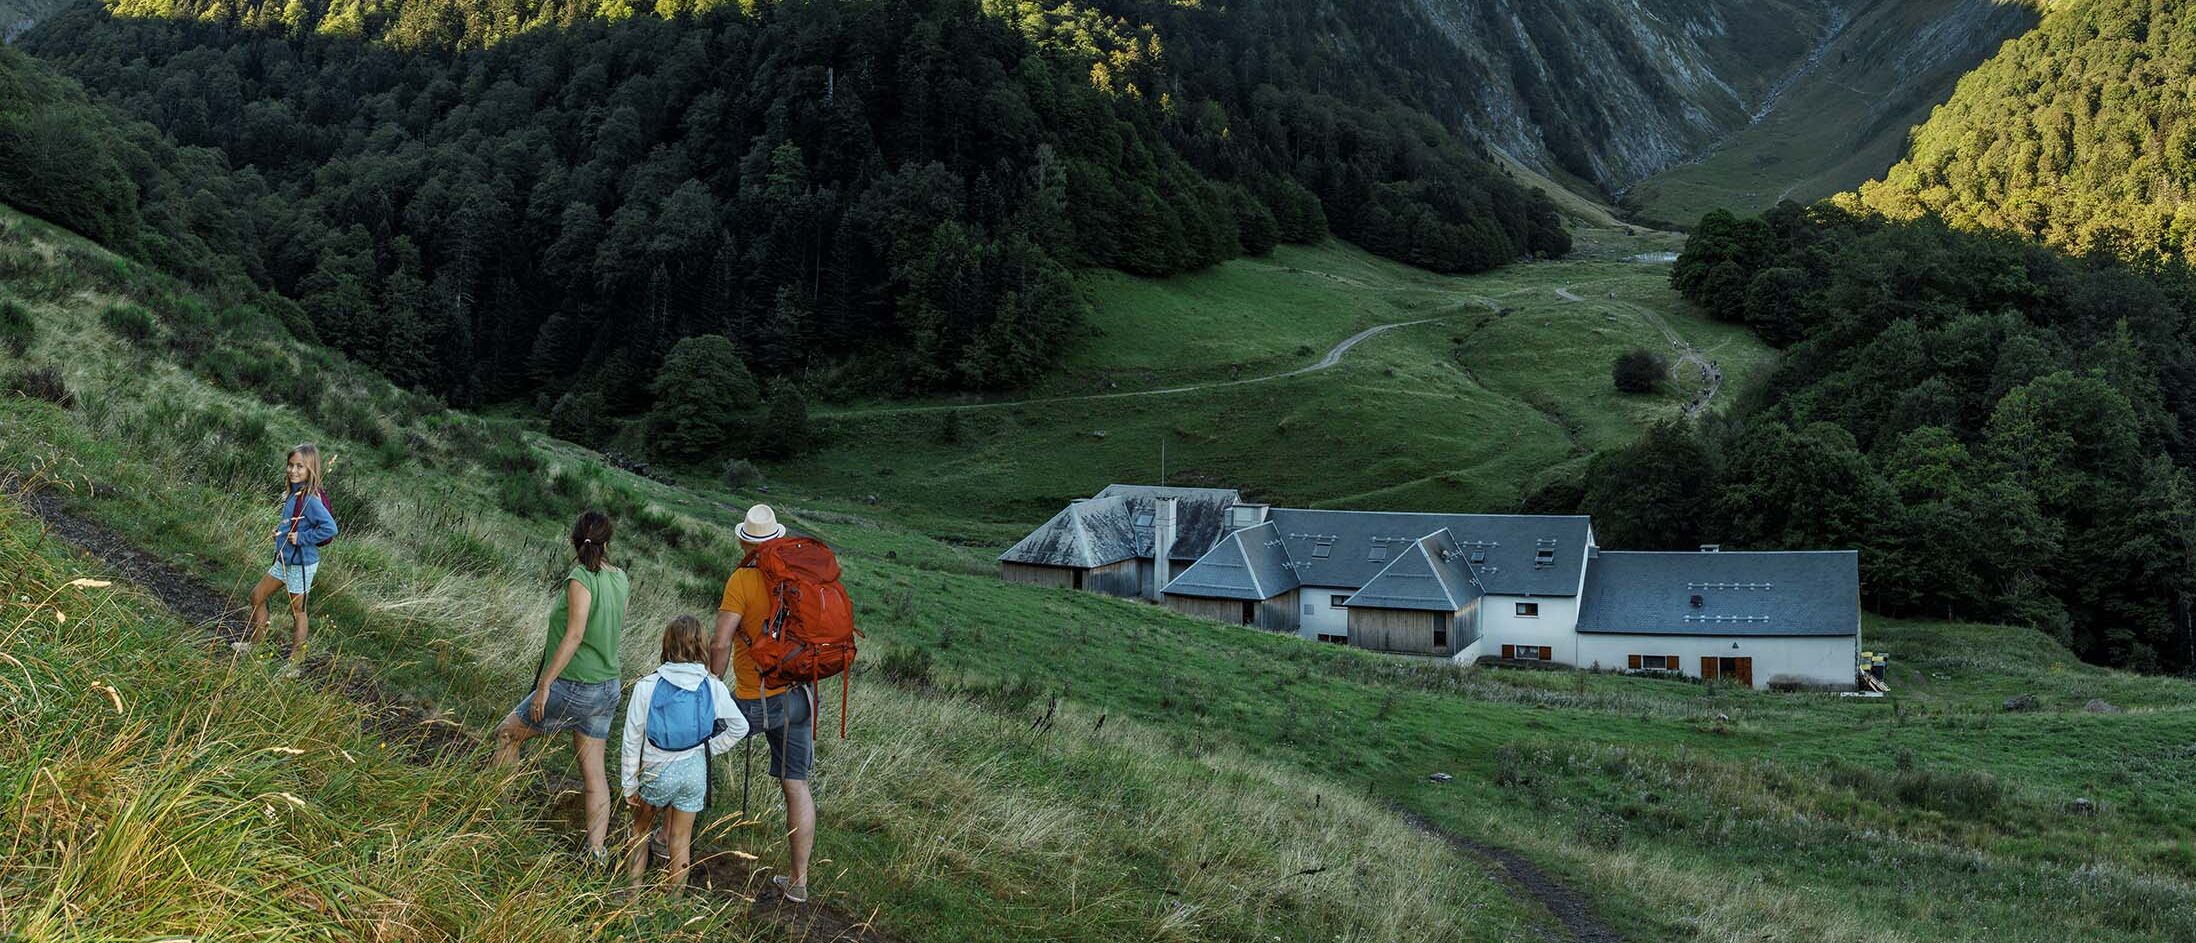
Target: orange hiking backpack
{"x":809,"y":635}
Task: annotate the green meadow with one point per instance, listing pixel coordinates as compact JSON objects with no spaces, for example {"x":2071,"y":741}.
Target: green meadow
{"x":1507,"y":383}
{"x":1022,"y":763}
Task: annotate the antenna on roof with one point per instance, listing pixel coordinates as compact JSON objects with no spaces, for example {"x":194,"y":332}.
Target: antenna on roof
{"x":1162,"y":459}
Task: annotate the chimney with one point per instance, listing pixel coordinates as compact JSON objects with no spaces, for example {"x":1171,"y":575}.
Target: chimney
{"x":1162,"y":545}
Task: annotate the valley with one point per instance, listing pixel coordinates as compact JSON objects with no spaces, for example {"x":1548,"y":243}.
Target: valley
{"x":1194,"y":781}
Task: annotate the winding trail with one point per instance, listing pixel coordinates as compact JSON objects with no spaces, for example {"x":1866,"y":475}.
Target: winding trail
{"x":1687,"y":353}
{"x":1566,"y":905}
{"x":427,"y":736}
{"x":1333,"y":357}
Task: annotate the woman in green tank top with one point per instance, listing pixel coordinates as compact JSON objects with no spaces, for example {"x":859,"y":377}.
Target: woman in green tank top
{"x":577,"y":680}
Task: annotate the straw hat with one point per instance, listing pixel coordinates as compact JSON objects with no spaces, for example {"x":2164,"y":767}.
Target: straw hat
{"x":761,"y":525}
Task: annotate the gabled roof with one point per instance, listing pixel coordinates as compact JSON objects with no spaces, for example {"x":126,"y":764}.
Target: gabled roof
{"x":1116,"y":526}
{"x":1247,"y":564}
{"x":1797,"y":593}
{"x":1430,"y":574}
{"x":1510,"y":544}
{"x":1085,"y":534}
{"x":1200,"y":515}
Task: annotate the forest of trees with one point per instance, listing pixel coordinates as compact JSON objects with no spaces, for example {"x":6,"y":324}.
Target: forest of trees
{"x":497,"y":203}
{"x":2001,"y":429}
{"x":2080,"y":133}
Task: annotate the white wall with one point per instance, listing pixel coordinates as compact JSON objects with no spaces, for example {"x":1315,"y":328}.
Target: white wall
{"x":1557,"y":626}
{"x":1826,"y":661}
{"x":1320,"y":618}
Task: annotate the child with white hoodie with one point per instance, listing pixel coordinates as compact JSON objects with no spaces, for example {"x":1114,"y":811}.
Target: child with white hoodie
{"x":679,"y":716}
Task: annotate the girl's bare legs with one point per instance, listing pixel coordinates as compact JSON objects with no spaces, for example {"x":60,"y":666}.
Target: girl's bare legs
{"x":644,"y":819}
{"x":297,"y":629}
{"x":267,"y":586}
{"x":508,"y":737}
{"x":679,"y":831}
{"x":590,"y":752}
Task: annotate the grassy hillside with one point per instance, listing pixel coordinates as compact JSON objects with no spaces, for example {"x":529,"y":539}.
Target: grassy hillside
{"x":1508,"y":382}
{"x":948,"y":816}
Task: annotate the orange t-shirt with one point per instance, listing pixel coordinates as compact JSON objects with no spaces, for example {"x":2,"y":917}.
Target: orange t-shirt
{"x":746,"y":594}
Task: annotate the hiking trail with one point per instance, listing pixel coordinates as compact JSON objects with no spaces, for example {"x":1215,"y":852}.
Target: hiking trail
{"x":1567,"y":906}
{"x":1711,"y":374}
{"x":427,"y":736}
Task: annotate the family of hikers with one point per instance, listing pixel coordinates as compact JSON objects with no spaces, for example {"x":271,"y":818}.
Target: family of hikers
{"x":784,"y":622}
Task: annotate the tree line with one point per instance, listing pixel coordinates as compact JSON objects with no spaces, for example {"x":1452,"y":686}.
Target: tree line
{"x":501,"y":202}
{"x":2001,"y":429}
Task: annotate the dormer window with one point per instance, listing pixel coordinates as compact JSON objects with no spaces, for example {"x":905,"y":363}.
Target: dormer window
{"x":1544,"y":556}
{"x":1243,"y":516}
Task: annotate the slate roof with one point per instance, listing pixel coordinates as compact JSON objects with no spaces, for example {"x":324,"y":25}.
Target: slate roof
{"x":1799,"y":593}
{"x":1430,"y":574}
{"x":1510,"y":544}
{"x":1247,"y":564}
{"x":1200,"y":515}
{"x":1103,"y":530}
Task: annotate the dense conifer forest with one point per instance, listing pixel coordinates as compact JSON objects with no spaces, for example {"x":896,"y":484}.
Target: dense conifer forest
{"x":2000,"y":428}
{"x":495,"y":202}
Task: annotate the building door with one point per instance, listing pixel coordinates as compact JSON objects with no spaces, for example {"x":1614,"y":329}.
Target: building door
{"x":1078,"y":579}
{"x":1441,"y":633}
{"x":1250,"y":612}
{"x":1740,"y":670}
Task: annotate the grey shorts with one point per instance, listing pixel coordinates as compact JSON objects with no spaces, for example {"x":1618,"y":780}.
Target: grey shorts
{"x":587,"y":708}
{"x":789,"y":721}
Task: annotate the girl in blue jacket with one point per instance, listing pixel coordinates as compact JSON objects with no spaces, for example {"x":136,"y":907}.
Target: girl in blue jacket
{"x":305,"y":525}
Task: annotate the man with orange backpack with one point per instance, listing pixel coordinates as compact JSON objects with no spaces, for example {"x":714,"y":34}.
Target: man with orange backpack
{"x":784,"y":623}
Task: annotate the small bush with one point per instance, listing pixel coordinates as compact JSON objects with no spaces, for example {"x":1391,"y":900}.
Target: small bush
{"x":42,"y":383}
{"x":128,"y":322}
{"x":908,"y":667}
{"x":464,"y":553}
{"x":17,"y":330}
{"x":1639,"y":371}
{"x":741,"y":473}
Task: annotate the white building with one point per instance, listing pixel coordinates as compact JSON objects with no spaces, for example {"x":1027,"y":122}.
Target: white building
{"x":1464,"y":586}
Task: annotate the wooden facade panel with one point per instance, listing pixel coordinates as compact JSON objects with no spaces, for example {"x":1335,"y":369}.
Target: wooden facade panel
{"x":1061,"y":577}
{"x":1218,"y":610}
{"x":1279,"y":614}
{"x":1119,"y":579}
{"x":1408,"y":631}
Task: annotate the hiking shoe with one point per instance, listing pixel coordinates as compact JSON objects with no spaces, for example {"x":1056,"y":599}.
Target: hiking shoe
{"x":241,"y":648}
{"x":797,"y":893}
{"x":597,"y":858}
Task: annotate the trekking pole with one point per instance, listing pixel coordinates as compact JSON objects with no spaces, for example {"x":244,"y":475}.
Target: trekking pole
{"x":747,"y":766}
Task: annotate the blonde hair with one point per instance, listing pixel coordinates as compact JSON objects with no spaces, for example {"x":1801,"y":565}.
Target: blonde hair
{"x":683,"y":641}
{"x":310,"y":455}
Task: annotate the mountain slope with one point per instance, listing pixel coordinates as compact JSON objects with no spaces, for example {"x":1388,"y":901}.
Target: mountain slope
{"x":2081,"y":133}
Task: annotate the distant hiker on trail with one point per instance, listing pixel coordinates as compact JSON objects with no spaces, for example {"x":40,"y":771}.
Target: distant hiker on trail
{"x":305,"y":527}
{"x":678,"y":717}
{"x":810,"y":637}
{"x":576,"y":682}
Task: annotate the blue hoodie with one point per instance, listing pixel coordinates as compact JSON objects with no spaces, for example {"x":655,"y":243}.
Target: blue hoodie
{"x":315,"y":526}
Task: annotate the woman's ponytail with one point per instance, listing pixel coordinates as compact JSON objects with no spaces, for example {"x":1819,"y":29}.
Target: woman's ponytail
{"x":591,"y":539}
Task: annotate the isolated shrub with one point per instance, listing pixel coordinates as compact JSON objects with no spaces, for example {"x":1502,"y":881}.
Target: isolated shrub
{"x":17,"y":330}
{"x":42,"y":383}
{"x":700,"y":389}
{"x":784,"y":431}
{"x":581,"y":417}
{"x":353,"y":417}
{"x":128,"y":322}
{"x":1639,"y":371}
{"x":906,"y":666}
{"x":741,"y":473}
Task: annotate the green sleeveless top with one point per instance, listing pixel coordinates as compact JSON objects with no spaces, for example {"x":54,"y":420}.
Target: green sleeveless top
{"x":596,"y":660}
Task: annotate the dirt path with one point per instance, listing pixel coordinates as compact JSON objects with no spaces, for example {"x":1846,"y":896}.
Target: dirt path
{"x":1333,"y":357}
{"x":1568,"y":906}
{"x":1710,"y":372}
{"x":427,"y":737}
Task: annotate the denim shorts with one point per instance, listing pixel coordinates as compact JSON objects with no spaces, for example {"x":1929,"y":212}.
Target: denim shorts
{"x":788,"y":720}
{"x":681,"y":784}
{"x":295,"y":577}
{"x":573,"y":705}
